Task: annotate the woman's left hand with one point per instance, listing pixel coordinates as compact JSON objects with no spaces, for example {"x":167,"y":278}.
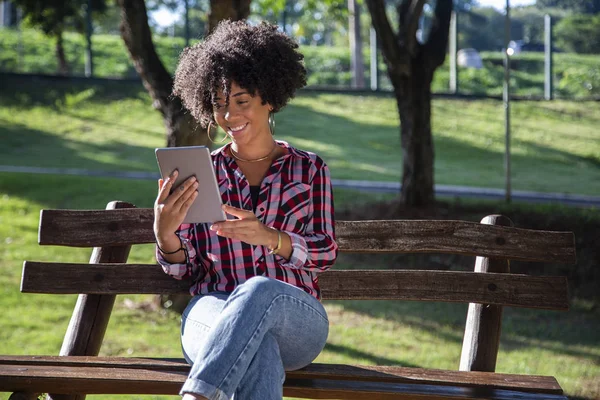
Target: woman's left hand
{"x":246,"y":228}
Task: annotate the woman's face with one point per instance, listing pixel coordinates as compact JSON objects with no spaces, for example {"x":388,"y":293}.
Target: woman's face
{"x":244,"y":117}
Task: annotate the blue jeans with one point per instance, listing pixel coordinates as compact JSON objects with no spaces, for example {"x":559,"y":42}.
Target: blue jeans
{"x":242,"y":343}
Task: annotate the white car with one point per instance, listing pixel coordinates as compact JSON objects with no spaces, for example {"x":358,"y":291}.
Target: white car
{"x":469,"y":58}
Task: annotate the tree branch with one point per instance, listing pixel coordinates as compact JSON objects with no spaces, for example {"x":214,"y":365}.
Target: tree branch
{"x":386,"y":37}
{"x":410,"y":24}
{"x":437,"y":43}
{"x":138,"y":39}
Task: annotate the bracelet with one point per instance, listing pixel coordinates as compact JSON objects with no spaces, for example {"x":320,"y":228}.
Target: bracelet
{"x":276,"y":249}
{"x":169,"y":252}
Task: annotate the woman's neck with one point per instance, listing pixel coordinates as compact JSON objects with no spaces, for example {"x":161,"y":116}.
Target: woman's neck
{"x":253,"y":151}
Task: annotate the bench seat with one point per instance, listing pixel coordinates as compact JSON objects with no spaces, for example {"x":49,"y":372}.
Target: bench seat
{"x":129,"y":375}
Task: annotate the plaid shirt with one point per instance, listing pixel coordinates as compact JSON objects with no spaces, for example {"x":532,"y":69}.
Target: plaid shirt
{"x":295,"y":197}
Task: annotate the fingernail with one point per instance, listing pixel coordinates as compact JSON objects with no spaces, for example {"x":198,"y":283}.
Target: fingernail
{"x":214,"y":227}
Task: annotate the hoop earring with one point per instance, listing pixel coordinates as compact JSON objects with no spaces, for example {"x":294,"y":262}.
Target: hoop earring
{"x":272,"y":123}
{"x":210,"y":124}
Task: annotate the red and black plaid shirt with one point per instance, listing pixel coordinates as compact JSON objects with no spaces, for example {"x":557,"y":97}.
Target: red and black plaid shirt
{"x":295,"y":197}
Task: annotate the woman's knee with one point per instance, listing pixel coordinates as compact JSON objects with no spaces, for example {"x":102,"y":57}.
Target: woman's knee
{"x":262,"y":287}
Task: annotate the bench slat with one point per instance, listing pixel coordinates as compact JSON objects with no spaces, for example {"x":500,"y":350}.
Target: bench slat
{"x":546,"y":292}
{"x":175,"y":370}
{"x":96,"y":228}
{"x":329,"y":389}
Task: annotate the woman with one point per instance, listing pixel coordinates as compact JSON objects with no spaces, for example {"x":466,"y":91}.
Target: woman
{"x":255,"y":310}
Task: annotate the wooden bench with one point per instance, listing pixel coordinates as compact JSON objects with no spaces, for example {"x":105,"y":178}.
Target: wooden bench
{"x":490,"y":287}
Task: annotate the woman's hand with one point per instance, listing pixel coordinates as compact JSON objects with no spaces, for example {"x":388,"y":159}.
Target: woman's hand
{"x":246,"y":228}
{"x":170,"y":209}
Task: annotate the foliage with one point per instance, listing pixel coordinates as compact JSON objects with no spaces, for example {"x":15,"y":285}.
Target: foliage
{"x":309,"y":21}
{"x":575,"y":75}
{"x":53,"y":16}
{"x":579,"y":34}
{"x":575,"y":6}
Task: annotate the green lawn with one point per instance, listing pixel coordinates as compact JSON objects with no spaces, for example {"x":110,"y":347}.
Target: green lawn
{"x":113,"y":127}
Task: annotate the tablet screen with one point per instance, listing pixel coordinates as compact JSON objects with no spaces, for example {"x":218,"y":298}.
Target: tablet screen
{"x":194,"y":161}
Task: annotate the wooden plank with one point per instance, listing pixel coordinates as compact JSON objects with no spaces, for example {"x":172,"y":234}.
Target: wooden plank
{"x":329,"y":389}
{"x":447,"y":286}
{"x":89,"y":380}
{"x":95,"y":228}
{"x":524,"y":383}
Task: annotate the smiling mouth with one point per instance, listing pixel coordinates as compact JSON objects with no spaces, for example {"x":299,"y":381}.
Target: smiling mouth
{"x":236,"y":129}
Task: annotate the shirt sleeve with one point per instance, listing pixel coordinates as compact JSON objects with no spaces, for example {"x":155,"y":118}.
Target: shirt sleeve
{"x":317,"y":249}
{"x":188,"y":269}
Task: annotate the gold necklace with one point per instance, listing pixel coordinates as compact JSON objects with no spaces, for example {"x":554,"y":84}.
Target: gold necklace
{"x":254,"y":160}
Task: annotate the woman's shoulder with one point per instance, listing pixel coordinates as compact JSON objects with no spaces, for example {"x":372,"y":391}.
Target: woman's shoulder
{"x":303,"y":156}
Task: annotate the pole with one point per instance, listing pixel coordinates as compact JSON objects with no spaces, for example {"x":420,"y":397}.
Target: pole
{"x":187,"y":22}
{"x":20,"y":51}
{"x":548,"y":84}
{"x":374,"y":59}
{"x":89,"y":57}
{"x":284,"y":16}
{"x":453,"y":48}
{"x":506,"y":100}
{"x":357,"y":67}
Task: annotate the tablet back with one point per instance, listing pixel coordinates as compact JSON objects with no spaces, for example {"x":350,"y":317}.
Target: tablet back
{"x":194,"y":161}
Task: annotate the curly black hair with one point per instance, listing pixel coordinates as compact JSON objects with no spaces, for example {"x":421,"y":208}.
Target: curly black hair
{"x":260,"y":59}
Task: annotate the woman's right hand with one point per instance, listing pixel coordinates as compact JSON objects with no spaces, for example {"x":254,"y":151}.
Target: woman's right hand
{"x":170,"y":209}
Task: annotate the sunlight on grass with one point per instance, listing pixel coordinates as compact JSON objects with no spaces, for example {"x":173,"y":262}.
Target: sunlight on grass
{"x":109,"y":127}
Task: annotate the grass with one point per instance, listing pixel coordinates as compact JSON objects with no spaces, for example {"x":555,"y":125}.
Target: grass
{"x":112,"y":127}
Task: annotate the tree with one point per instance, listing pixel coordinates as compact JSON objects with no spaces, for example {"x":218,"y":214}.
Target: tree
{"x":579,"y":34}
{"x":411,"y":65}
{"x":182,"y":129}
{"x":575,"y":6}
{"x":54,"y":16}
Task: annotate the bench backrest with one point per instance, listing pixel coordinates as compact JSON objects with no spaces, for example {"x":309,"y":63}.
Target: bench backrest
{"x":129,"y":226}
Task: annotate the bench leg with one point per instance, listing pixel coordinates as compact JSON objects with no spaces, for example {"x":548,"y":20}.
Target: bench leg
{"x":91,"y":314}
{"x":482,"y":330}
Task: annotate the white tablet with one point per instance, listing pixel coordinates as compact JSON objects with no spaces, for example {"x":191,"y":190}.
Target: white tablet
{"x":194,"y":161}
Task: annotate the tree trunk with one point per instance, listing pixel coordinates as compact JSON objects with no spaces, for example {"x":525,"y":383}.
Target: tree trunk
{"x":234,"y":10}
{"x":63,"y":66}
{"x":413,"y":97}
{"x":411,"y":66}
{"x":182,"y":129}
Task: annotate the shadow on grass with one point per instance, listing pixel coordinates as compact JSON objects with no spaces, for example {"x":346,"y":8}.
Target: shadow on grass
{"x":357,"y":354}
{"x":570,"y":333}
{"x":76,"y":192}
{"x":29,"y":91}
{"x":23,"y":146}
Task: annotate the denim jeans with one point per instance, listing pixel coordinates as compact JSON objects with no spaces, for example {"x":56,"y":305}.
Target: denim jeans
{"x":241,"y":344}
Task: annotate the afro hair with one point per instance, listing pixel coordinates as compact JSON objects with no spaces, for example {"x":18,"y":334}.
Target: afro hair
{"x":260,"y":59}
